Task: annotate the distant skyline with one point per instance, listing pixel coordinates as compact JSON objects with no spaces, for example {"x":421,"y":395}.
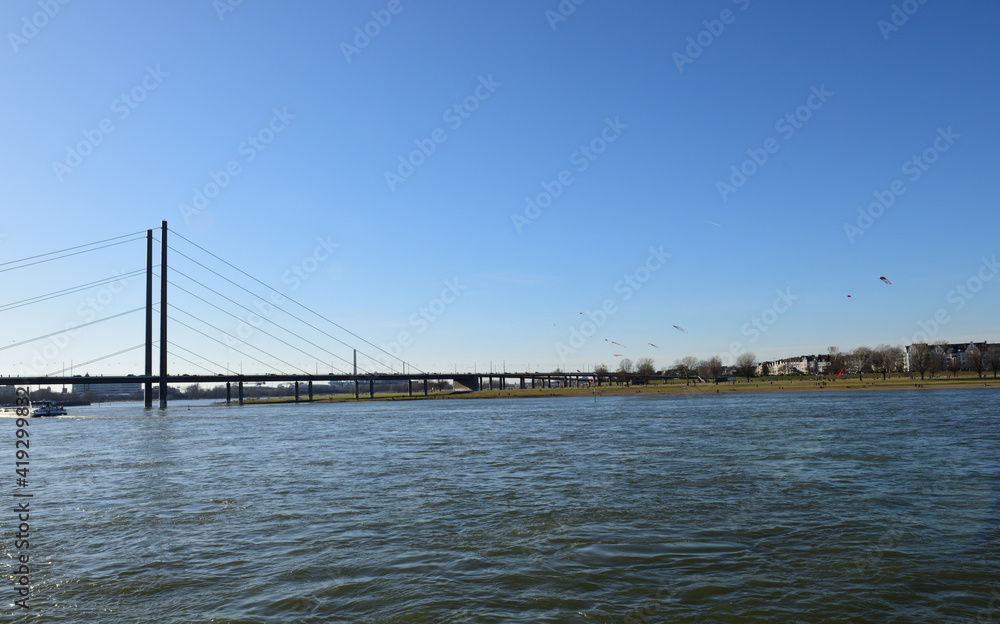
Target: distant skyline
{"x":519,"y":184}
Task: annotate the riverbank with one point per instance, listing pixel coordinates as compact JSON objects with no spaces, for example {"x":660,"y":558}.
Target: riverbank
{"x":678,"y":388}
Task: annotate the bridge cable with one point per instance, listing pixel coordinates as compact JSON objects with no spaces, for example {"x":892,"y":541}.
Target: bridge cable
{"x":273,"y":305}
{"x":63,"y":331}
{"x":67,"y":291}
{"x":231,"y":336}
{"x":106,"y":357}
{"x":179,"y":357}
{"x":261,"y":316}
{"x":289,"y":298}
{"x":60,"y":257}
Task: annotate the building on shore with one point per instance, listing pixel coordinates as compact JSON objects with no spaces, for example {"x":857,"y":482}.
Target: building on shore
{"x":948,"y":353}
{"x":801,"y":365}
{"x":107,"y":390}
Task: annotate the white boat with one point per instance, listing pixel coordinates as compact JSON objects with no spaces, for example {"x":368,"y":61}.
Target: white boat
{"x":36,"y":409}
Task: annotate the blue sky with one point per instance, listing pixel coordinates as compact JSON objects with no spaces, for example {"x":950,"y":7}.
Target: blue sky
{"x":716,"y":166}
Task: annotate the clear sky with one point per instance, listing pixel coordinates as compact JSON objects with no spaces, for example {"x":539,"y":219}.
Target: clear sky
{"x":458,"y":181}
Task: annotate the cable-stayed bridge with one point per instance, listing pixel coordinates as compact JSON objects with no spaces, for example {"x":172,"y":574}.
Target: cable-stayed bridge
{"x":202,"y":283}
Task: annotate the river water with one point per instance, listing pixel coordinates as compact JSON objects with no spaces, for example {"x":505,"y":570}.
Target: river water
{"x":857,"y":507}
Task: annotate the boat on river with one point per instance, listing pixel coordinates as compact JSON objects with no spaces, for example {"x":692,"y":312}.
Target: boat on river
{"x":36,"y":409}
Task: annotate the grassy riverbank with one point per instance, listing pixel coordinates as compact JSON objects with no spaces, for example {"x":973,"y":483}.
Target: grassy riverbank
{"x":678,"y":388}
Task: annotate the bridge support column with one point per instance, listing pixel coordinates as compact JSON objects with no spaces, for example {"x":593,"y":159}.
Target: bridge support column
{"x":522,"y":383}
{"x":371,"y":388}
{"x":229,"y":392}
{"x":425,"y":386}
{"x":491,"y":382}
{"x":409,"y":387}
{"x":357,"y":385}
{"x":310,"y":390}
{"x":296,"y":392}
{"x":239,"y":392}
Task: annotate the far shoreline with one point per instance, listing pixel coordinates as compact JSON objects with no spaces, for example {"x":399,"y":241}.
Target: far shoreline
{"x":672,"y":388}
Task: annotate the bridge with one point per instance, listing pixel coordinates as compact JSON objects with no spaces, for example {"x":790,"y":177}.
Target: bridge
{"x":303,"y":381}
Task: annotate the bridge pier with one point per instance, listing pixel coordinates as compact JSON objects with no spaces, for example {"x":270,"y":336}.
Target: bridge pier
{"x":425,"y":386}
{"x":296,"y":392}
{"x":522,"y":383}
{"x":239,"y":392}
{"x":409,"y":387}
{"x":356,"y":389}
{"x":229,"y":392}
{"x":371,"y":388}
{"x":310,"y":390}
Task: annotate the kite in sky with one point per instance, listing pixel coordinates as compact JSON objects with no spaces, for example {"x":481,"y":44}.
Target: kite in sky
{"x":849,"y":297}
{"x":882,"y":277}
{"x":616,"y":354}
{"x":613,"y":342}
{"x":838,"y":374}
{"x":652,"y":345}
{"x":680,"y":329}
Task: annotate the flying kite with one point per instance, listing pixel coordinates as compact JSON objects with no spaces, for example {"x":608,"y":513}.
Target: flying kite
{"x":849,"y":297}
{"x":613,"y":342}
{"x":616,"y":354}
{"x":838,"y":374}
{"x":680,"y":329}
{"x":652,"y":345}
{"x":882,"y":277}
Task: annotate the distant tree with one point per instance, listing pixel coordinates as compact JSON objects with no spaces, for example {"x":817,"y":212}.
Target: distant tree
{"x":625,"y":369}
{"x":746,"y":365}
{"x":976,"y":359}
{"x":921,"y":358}
{"x":192,"y":392}
{"x":939,"y":356}
{"x":858,"y":361}
{"x":953,"y":364}
{"x":837,"y":360}
{"x":710,"y":369}
{"x":993,"y":359}
{"x":686,"y":366}
{"x":885,"y":358}
{"x":645,"y":368}
{"x":765,"y":369}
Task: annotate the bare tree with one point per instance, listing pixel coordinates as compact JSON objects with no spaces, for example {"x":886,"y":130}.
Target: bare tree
{"x":921,"y":358}
{"x":939,"y":356}
{"x":976,"y":359}
{"x":685,"y":366}
{"x":625,"y":369}
{"x":858,"y":361}
{"x":993,"y":358}
{"x":710,"y":369}
{"x":885,"y":358}
{"x":746,"y":364}
{"x":645,"y":368}
{"x":600,"y":370}
{"x":837,"y":360}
